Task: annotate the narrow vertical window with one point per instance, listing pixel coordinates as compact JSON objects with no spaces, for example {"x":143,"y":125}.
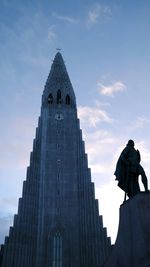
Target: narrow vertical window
{"x":58,"y":97}
{"x":67,"y":100}
{"x":50,"y":99}
{"x":57,"y":250}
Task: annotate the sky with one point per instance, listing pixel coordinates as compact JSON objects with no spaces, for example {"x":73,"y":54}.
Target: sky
{"x":105,"y":46}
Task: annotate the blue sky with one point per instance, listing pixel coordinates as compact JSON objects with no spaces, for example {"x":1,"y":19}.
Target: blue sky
{"x":105,"y":45}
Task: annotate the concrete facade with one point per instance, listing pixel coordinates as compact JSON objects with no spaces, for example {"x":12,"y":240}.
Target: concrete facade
{"x":132,"y":247}
{"x":58,"y":222}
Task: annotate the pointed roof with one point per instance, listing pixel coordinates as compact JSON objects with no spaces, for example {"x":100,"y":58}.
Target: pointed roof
{"x":58,"y":79}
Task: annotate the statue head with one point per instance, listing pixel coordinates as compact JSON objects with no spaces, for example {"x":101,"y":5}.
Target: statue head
{"x":130,"y":143}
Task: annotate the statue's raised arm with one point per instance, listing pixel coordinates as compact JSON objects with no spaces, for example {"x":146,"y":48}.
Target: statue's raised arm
{"x":128,"y":169}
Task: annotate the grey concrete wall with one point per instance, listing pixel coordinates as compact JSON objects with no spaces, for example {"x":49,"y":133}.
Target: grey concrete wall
{"x":132,"y":247}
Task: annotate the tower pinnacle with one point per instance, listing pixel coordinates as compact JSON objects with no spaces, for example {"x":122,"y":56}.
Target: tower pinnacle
{"x":58,"y":80}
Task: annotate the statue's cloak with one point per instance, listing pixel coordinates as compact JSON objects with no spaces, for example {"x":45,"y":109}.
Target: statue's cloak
{"x":127,"y":173}
{"x":121,"y":174}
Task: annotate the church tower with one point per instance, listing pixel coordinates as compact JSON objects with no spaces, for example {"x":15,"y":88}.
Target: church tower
{"x":58,"y":222}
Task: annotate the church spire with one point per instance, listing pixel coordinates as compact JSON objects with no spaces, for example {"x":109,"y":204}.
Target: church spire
{"x":58,"y":222}
{"x":58,"y":83}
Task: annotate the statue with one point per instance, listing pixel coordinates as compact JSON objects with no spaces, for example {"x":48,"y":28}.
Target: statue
{"x":128,"y":169}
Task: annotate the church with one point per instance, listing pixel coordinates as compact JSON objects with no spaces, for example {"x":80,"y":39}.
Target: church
{"x":58,"y":222}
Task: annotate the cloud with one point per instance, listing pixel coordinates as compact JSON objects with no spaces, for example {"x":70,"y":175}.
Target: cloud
{"x":93,"y":116}
{"x":66,"y":18}
{"x":51,"y":34}
{"x":110,"y":90}
{"x":110,"y":209}
{"x":145,"y":152}
{"x":14,"y":151}
{"x":100,"y":146}
{"x":99,"y":143}
{"x":8,"y":201}
{"x":139,"y":123}
{"x":5,"y":222}
{"x":98,"y":13}
{"x":100,"y":168}
{"x":23,"y":39}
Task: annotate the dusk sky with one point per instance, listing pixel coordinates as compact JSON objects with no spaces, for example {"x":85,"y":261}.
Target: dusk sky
{"x":106,"y":49}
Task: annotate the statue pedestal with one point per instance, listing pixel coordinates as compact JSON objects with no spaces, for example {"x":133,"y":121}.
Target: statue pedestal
{"x":132,"y":247}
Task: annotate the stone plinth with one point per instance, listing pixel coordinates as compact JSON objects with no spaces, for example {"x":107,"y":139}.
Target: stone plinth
{"x":132,"y":247}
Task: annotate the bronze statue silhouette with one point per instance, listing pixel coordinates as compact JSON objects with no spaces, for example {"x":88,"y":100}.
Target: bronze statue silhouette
{"x":128,"y":169}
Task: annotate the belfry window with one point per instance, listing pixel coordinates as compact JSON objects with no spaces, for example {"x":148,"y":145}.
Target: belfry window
{"x":67,"y":100}
{"x":50,"y":99}
{"x":58,"y":97}
{"x":57,"y":250}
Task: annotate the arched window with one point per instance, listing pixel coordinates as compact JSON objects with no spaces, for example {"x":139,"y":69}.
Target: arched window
{"x":57,"y":250}
{"x":50,"y":99}
{"x":58,"y":97}
{"x":67,"y":100}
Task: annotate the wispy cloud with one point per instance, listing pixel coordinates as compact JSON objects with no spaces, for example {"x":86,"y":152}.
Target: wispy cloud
{"x":139,"y":123}
{"x":110,"y":90}
{"x":12,"y":150}
{"x":100,"y":146}
{"x":31,"y":28}
{"x":93,"y":116}
{"x":145,"y":152}
{"x":51,"y":33}
{"x":66,"y":18}
{"x":98,"y":13}
{"x":100,"y":143}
